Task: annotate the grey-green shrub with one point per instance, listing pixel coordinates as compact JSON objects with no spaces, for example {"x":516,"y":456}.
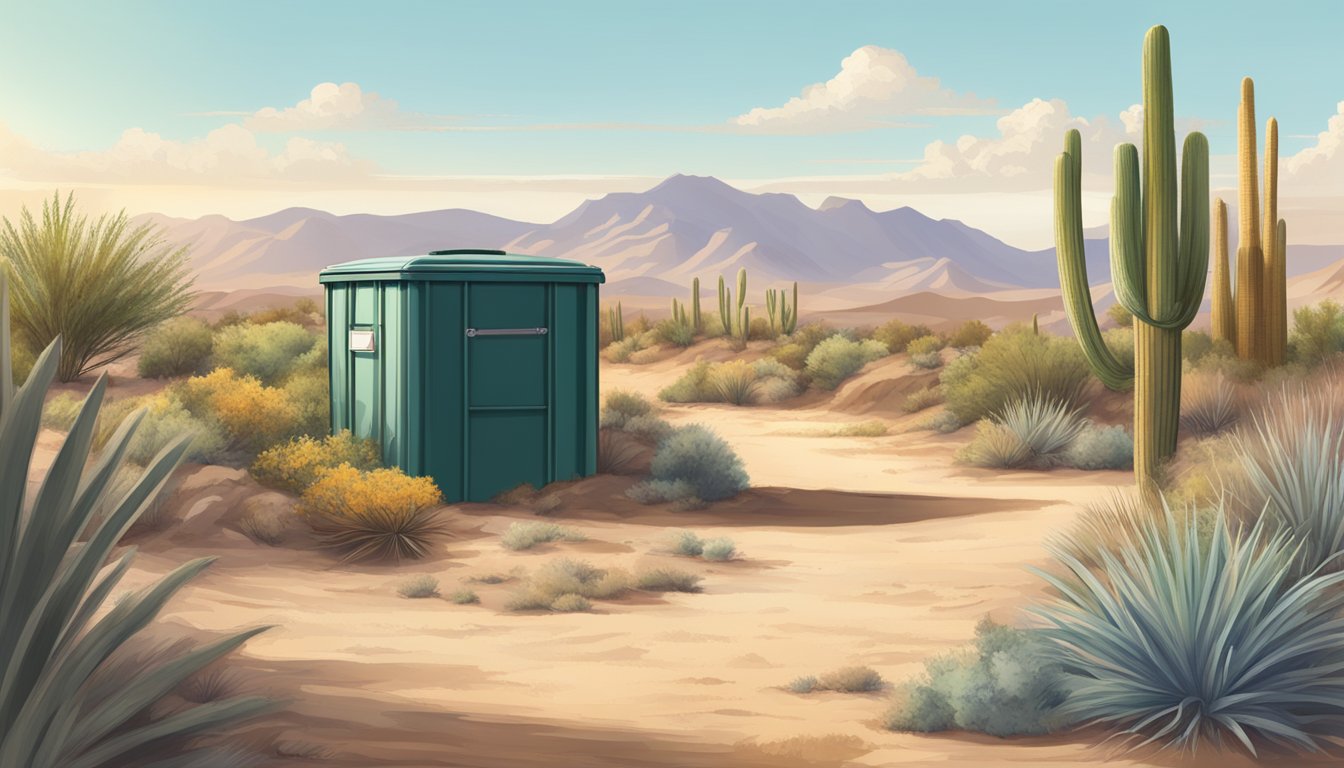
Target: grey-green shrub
{"x":655,"y":491}
{"x":688,"y":544}
{"x":697,"y":456}
{"x":179,"y":347}
{"x":922,"y":398}
{"x":647,"y":427}
{"x":851,"y":680}
{"x":571,"y":603}
{"x":621,"y":404}
{"x":719,"y":549}
{"x":927,"y":360}
{"x":1042,"y":429}
{"x":1013,"y":364}
{"x":464,"y":597}
{"x":1179,"y":640}
{"x":1100,"y":447}
{"x":1318,"y":332}
{"x":692,"y":387}
{"x":60,"y":411}
{"x":419,"y":587}
{"x":804,"y":684}
{"x":1008,"y":684}
{"x":838,"y":358}
{"x":527,"y":535}
{"x":1209,"y":404}
{"x":269,"y":352}
{"x":775,"y":381}
{"x":164,"y":422}
{"x":567,"y":577}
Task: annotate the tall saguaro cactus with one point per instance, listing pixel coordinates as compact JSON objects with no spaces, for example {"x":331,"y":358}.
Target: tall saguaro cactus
{"x":1260,"y":304}
{"x":697,"y":320}
{"x":1158,"y":269}
{"x":743,"y":316}
{"x":1224,"y":311}
{"x":725,"y":308}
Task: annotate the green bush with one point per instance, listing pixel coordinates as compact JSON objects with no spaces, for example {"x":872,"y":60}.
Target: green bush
{"x":1011,"y":365}
{"x":676,"y":334}
{"x":692,"y":387}
{"x":22,"y":358}
{"x":920,"y":399}
{"x":896,"y":335}
{"x":1196,"y":345}
{"x":625,"y":404}
{"x":60,"y":411}
{"x":179,"y":347}
{"x":1099,"y":447}
{"x":838,"y":358}
{"x":925,"y":345}
{"x":695,"y":455}
{"x":791,"y":355}
{"x":309,"y":391}
{"x":1009,"y":684}
{"x":165,"y":420}
{"x":719,"y":549}
{"x":267,"y":352}
{"x":1179,"y":640}
{"x":734,"y":382}
{"x":648,"y":427}
{"x":1318,"y":332}
{"x":971,"y":333}
{"x":99,"y":286}
{"x":775,"y":381}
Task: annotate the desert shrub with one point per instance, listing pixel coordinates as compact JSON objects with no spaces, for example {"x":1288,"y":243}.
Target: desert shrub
{"x":1011,"y":365}
{"x":617,"y":452}
{"x":667,"y":580}
{"x":464,"y":597}
{"x":692,"y":387}
{"x":252,"y":415}
{"x":943,"y":422}
{"x":60,"y":411}
{"x":870,"y":428}
{"x":927,"y":360}
{"x":920,"y":399}
{"x":971,"y":333}
{"x":851,"y":680}
{"x":1007,"y":684}
{"x":266,"y":352}
{"x":838,"y":358}
{"x":719,"y":550}
{"x":558,"y":578}
{"x":1209,"y":404}
{"x":74,"y":694}
{"x":659,"y":491}
{"x":698,"y":457}
{"x":419,"y":587}
{"x":97,"y":285}
{"x":804,"y":684}
{"x":297,"y":464}
{"x":676,"y":334}
{"x":809,"y":335}
{"x":309,"y":392}
{"x":688,"y":544}
{"x":1031,"y":432}
{"x":165,"y":420}
{"x":649,"y":428}
{"x":734,"y":382}
{"x":377,"y":514}
{"x":1318,"y":332}
{"x":1120,"y":341}
{"x":262,"y":527}
{"x":1288,"y":467}
{"x":1119,"y":316}
{"x":896,"y":335}
{"x":621,"y":404}
{"x":304,"y":311}
{"x":179,"y":347}
{"x":925,"y":345}
{"x":571,"y":603}
{"x":759,"y":330}
{"x":792,"y":355}
{"x":22,"y":359}
{"x":521,"y":536}
{"x":1196,"y":345}
{"x":1100,"y":447}
{"x":1179,"y":640}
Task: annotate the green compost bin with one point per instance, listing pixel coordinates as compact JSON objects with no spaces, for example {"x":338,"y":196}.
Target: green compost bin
{"x":476,"y":368}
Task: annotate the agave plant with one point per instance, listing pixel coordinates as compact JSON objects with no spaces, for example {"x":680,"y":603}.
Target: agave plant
{"x":1178,"y":638}
{"x":52,"y":587}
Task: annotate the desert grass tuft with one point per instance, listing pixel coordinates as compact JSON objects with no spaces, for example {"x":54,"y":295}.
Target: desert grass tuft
{"x":464,"y":597}
{"x":420,"y":587}
{"x":667,"y":580}
{"x":522,"y":536}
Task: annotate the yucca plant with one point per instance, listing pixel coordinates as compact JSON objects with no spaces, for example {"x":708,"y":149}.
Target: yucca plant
{"x":98,"y":285}
{"x":1179,"y":638}
{"x":1209,"y":404}
{"x":52,"y":585}
{"x":1044,"y":426}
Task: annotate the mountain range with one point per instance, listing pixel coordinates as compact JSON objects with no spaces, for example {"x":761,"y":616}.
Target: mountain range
{"x":651,"y":244}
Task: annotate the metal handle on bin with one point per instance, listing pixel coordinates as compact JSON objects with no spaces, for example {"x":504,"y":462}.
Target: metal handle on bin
{"x":474,"y":332}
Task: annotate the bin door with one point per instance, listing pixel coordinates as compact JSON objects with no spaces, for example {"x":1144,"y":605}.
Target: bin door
{"x":508,"y":369}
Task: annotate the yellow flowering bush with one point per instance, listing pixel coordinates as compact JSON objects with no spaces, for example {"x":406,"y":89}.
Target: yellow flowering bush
{"x":254,"y":416}
{"x":376,"y":514}
{"x":296,"y":465}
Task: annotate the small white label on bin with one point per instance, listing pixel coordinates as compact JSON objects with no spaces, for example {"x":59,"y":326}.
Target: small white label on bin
{"x":361,"y":341}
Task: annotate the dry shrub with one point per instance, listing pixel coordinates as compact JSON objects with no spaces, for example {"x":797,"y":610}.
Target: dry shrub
{"x":562,"y":577}
{"x":375,"y":515}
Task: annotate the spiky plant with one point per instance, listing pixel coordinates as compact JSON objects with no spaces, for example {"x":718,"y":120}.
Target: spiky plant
{"x":1182,"y":637}
{"x":100,"y":285}
{"x":53,"y":584}
{"x":697,"y":320}
{"x":1158,"y":270}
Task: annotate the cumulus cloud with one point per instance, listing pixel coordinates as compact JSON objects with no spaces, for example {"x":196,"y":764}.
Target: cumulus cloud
{"x":226,"y":155}
{"x":873,"y":86}
{"x":1319,"y":169}
{"x":344,"y":107}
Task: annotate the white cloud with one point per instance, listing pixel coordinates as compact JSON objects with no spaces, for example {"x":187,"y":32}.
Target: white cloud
{"x":229,"y":155}
{"x":344,"y":107}
{"x":874,"y":85}
{"x":1319,"y":169}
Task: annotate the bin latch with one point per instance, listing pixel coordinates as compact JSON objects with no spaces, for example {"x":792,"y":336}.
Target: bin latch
{"x":474,"y":332}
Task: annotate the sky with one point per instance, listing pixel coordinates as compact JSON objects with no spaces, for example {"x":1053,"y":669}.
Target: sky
{"x":524,"y":109}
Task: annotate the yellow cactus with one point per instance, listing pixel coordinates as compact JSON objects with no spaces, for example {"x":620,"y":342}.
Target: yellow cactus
{"x":1224,"y":311}
{"x":1250,"y":259}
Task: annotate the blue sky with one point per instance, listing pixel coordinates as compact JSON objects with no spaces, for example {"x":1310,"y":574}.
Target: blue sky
{"x":637,"y":89}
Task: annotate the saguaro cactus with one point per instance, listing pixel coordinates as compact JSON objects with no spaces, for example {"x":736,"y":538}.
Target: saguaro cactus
{"x":616,"y":321}
{"x":1275,"y":301}
{"x":1224,"y":310}
{"x":1158,"y":272}
{"x":788,"y":315}
{"x":1250,"y":297}
{"x":783,"y":317}
{"x":697,"y":320}
{"x":743,"y":319}
{"x":725,"y":308}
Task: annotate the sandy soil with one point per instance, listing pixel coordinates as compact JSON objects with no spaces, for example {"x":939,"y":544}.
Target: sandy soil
{"x":876,"y":551}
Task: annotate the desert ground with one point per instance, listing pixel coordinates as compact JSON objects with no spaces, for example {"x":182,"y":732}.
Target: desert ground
{"x":879,"y":551}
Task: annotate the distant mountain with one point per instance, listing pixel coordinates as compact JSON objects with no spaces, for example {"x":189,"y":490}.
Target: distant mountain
{"x":650,"y":244}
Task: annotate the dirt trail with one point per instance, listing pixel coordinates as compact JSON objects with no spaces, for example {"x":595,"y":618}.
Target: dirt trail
{"x":697,"y":679}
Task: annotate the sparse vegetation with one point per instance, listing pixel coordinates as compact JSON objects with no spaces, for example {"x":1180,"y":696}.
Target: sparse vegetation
{"x":693,"y":462}
{"x":667,"y":580}
{"x":523,"y":536}
{"x":419,"y":587}
{"x":375,"y":515}
{"x":98,"y":285}
{"x":563,"y":577}
{"x":179,"y":347}
{"x":464,"y":597}
{"x":1031,"y":432}
{"x":843,"y":680}
{"x":719,"y":550}
{"x":1013,"y":364}
{"x":262,"y":527}
{"x":1008,"y":684}
{"x":737,"y":382}
{"x":1209,"y":404}
{"x":838,"y":358}
{"x":922,"y":398}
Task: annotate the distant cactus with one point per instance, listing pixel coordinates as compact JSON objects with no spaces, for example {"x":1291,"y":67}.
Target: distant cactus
{"x":783,"y":317}
{"x":725,"y":308}
{"x":697,"y":320}
{"x":772,"y":309}
{"x":744,"y":327}
{"x":616,"y":320}
{"x":1158,"y":272}
{"x":743,"y":321}
{"x":1035,"y":324}
{"x":789,"y":314}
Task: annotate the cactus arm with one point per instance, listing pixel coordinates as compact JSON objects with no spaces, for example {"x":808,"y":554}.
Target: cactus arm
{"x":1128,"y":270}
{"x":1074,"y":285}
{"x":1194,"y":248}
